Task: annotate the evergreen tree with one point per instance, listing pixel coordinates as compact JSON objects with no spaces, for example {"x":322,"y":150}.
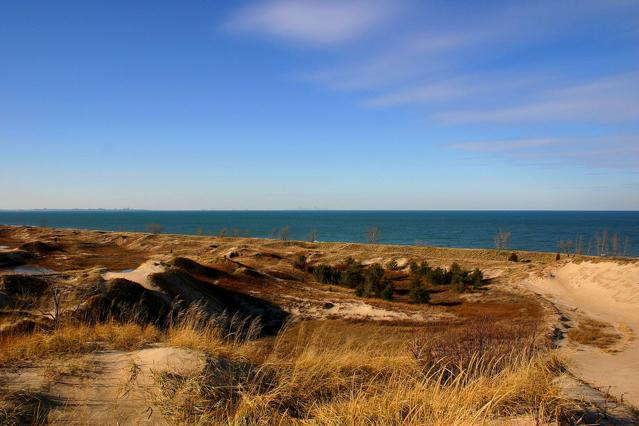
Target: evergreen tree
{"x":387,"y":293}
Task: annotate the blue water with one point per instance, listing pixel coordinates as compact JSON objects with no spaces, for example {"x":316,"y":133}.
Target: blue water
{"x":530,"y":230}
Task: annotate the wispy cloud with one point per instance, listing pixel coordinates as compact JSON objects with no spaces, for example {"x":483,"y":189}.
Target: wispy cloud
{"x":312,"y":21}
{"x":610,"y":99}
{"x":465,"y":88}
{"x":508,"y":145}
{"x":609,"y":152}
{"x":495,"y":65}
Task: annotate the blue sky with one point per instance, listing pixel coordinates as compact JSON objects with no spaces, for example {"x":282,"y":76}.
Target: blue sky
{"x":319,"y":104}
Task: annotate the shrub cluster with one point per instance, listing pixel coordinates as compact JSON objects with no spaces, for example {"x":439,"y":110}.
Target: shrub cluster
{"x":366,"y":282}
{"x":418,"y":292}
{"x":326,"y":274}
{"x":353,"y":276}
{"x":374,"y":284}
{"x":371,"y":282}
{"x":456,"y":277}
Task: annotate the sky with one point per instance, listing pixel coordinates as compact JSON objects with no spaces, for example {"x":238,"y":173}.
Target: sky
{"x":325,"y":104}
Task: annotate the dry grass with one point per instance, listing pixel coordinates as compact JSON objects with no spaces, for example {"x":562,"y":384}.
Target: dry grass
{"x":23,"y":408}
{"x":233,"y":337}
{"x":329,"y":372}
{"x":326,"y":376}
{"x":595,"y":333}
{"x":76,"y":338}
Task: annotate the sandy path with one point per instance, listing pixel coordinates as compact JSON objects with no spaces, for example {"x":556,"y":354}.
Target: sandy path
{"x":109,"y":387}
{"x":604,"y":291}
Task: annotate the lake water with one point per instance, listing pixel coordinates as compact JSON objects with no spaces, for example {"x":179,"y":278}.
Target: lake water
{"x":530,"y":230}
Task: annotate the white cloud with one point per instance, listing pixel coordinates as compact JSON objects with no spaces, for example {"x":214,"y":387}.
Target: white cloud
{"x":603,"y":152}
{"x":610,"y":99}
{"x":465,"y":88}
{"x":312,"y":21}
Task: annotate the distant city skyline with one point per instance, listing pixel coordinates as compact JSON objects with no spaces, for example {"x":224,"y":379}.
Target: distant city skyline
{"x":339,"y":105}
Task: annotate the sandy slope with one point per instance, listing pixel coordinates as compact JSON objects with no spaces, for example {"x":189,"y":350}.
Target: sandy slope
{"x":109,"y":387}
{"x":139,"y":275}
{"x":605,"y":291}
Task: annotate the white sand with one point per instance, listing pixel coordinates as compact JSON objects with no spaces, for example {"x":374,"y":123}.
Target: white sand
{"x":605,"y":291}
{"x":139,"y":275}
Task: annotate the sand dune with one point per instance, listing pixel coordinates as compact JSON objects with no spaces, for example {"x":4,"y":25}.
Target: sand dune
{"x":604,"y":291}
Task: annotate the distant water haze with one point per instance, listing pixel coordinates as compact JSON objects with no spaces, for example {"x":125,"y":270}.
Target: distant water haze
{"x":590,"y":232}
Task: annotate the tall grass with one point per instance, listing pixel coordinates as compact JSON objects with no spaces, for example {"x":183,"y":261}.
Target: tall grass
{"x":324,"y":377}
{"x":74,"y":337}
{"x":335,"y":374}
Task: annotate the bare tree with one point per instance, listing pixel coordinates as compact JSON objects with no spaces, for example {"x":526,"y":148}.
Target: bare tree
{"x":372,"y":235}
{"x":501,"y":239}
{"x":602,"y":247}
{"x":626,"y":246}
{"x":200,"y":231}
{"x":616,"y":245}
{"x":579,"y":244}
{"x":284,"y":233}
{"x":565,"y":245}
{"x":55,"y":313}
{"x":313,"y":235}
{"x":154,"y":228}
{"x":222,"y":233}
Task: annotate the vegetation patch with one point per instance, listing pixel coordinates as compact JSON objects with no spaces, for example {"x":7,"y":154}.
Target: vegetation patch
{"x":357,"y":374}
{"x":595,"y":333}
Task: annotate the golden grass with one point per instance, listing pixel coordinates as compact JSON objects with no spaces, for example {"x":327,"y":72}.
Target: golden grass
{"x":328,"y":372}
{"x":324,"y":376}
{"x":76,"y":338}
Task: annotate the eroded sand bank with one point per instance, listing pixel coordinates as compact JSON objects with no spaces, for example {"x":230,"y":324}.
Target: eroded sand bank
{"x":604,"y":291}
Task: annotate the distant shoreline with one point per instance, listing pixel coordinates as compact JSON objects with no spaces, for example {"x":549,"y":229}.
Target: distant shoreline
{"x":275,"y":239}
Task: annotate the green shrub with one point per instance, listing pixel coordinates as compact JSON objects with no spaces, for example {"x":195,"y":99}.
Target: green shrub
{"x":416,"y":281}
{"x":438,"y":276}
{"x":352,"y":277}
{"x":457,"y":285}
{"x":513,"y":257}
{"x":424,"y":268}
{"x":476,"y":278}
{"x":387,"y":293}
{"x":374,"y":280}
{"x":456,"y":274}
{"x":419,"y":294}
{"x":392,"y":265}
{"x":414,"y":268}
{"x":326,"y":274}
